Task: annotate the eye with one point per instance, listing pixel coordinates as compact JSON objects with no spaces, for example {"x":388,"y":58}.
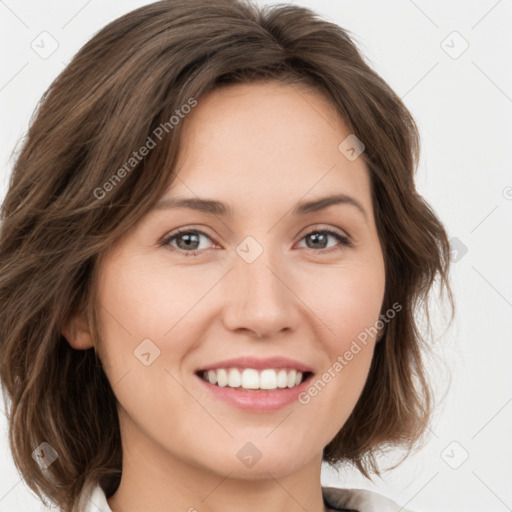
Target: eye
{"x":319,"y":239}
{"x":188,"y":241}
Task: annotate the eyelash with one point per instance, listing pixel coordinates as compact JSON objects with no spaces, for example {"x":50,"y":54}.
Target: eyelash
{"x":344,"y":240}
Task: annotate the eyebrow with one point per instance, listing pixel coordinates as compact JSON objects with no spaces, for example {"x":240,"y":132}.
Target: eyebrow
{"x":218,"y":208}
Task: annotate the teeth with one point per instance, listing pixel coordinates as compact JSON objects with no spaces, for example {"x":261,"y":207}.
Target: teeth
{"x":291,"y":378}
{"x":222,"y":378}
{"x":268,"y":379}
{"x":234,"y":378}
{"x":249,"y":378}
{"x":282,"y":379}
{"x":212,"y":376}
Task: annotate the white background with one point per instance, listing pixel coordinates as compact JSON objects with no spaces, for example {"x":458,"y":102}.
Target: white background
{"x":463,"y":107}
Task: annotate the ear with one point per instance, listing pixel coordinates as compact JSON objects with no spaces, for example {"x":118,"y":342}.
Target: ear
{"x":77,"y":333}
{"x":380,"y":335}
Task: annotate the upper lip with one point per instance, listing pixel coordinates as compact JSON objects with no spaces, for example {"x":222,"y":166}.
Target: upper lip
{"x":258,"y":363}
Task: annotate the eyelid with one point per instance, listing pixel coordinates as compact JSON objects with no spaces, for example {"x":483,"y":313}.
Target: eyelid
{"x":325,"y":227}
{"x":186,"y":229}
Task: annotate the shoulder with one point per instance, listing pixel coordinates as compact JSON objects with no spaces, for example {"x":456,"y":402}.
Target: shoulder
{"x":359,"y":500}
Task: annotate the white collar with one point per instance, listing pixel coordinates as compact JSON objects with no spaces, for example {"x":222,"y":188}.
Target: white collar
{"x":360,"y":500}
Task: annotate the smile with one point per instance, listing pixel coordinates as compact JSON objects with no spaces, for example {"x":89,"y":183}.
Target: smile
{"x":253,"y":379}
{"x":255,"y":384}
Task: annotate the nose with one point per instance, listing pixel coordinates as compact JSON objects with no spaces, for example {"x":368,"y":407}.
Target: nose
{"x":259,"y":297}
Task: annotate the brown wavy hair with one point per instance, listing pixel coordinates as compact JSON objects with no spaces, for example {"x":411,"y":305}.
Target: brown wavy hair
{"x":127,"y":81}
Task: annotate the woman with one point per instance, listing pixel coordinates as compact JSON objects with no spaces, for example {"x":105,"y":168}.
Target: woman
{"x":172,"y":336}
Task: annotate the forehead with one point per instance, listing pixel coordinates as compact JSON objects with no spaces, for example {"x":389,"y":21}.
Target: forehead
{"x":266,"y":140}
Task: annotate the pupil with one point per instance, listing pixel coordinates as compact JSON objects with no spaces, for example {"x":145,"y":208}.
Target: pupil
{"x":188,"y":240}
{"x":316,"y":236}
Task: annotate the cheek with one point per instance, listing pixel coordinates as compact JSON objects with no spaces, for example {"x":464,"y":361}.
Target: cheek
{"x":147,"y":302}
{"x":138,"y":302}
{"x":347,"y":300}
{"x":347,"y":303}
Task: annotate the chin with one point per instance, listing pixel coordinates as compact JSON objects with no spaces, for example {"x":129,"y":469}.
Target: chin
{"x":248,"y":464}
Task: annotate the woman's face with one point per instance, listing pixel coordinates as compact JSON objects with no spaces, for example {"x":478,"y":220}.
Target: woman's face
{"x":259,"y":280}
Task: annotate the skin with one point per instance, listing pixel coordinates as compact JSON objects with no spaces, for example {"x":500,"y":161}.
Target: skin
{"x":260,"y":148}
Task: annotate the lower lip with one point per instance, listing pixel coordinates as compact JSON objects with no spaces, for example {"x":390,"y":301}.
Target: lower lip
{"x":257,"y":400}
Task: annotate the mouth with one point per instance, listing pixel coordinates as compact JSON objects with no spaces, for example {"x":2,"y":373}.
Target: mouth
{"x":256,"y":385}
{"x":252,"y":379}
